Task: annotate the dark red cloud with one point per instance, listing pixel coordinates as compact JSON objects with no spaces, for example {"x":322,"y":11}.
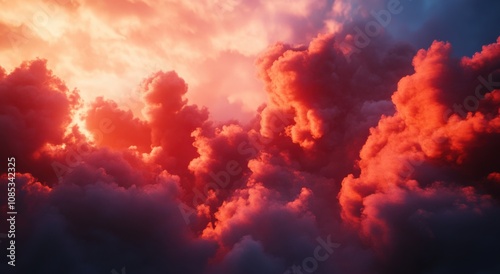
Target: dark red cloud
{"x":116,"y":128}
{"x":423,"y":169}
{"x":332,"y":101}
{"x":172,"y":120}
{"x":35,"y":109}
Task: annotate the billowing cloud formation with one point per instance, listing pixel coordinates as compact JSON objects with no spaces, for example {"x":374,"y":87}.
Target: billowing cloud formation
{"x":35,"y":111}
{"x":430,"y":165}
{"x":36,"y":108}
{"x":373,"y":159}
{"x":116,"y":128}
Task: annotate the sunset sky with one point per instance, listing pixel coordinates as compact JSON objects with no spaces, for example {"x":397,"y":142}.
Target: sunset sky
{"x":241,"y":137}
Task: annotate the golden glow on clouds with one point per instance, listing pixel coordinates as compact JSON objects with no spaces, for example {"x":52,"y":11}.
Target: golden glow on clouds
{"x":105,"y":48}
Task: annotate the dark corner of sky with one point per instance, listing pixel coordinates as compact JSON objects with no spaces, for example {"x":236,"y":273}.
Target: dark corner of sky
{"x":466,"y":24}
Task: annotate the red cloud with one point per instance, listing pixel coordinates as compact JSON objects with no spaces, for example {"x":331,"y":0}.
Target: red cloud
{"x":117,"y":128}
{"x":172,"y":120}
{"x":427,"y":161}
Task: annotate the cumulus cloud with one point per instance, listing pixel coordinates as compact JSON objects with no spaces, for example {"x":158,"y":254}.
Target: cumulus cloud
{"x":373,"y":159}
{"x":426,"y":160}
{"x":36,"y":109}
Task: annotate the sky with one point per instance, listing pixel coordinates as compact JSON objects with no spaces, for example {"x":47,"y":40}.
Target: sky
{"x":241,"y":137}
